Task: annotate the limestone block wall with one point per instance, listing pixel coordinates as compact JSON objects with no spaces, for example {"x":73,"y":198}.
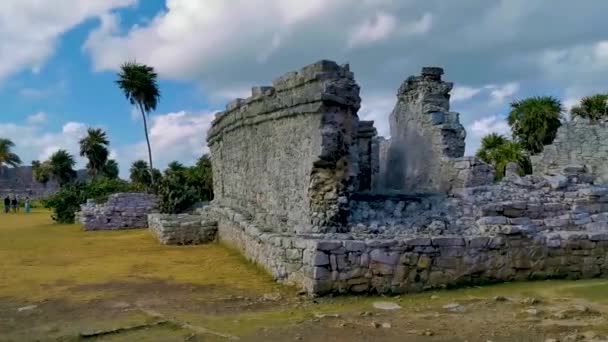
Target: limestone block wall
{"x":284,"y":155}
{"x":182,"y":229}
{"x":419,"y":263}
{"x":120,"y":211}
{"x":322,"y":264}
{"x":423,"y":132}
{"x":578,"y":142}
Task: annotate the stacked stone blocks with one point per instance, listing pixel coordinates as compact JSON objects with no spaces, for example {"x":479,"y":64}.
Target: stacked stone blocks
{"x":120,"y":211}
{"x":182,"y":229}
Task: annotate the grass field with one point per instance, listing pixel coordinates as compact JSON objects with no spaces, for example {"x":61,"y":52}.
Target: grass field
{"x":58,"y":282}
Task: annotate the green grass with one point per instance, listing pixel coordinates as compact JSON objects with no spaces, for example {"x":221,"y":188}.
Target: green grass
{"x":43,"y":260}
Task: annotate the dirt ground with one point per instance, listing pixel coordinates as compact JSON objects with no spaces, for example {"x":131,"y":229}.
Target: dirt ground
{"x":59,"y":283}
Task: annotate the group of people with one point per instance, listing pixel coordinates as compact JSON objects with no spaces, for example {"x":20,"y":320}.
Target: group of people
{"x":13,"y":204}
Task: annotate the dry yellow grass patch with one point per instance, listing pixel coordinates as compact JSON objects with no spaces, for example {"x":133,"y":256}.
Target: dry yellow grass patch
{"x":43,"y":260}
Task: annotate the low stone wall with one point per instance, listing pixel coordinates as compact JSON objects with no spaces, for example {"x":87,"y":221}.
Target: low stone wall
{"x":419,"y":263}
{"x":182,"y":229}
{"x":120,"y":211}
{"x":411,"y":264}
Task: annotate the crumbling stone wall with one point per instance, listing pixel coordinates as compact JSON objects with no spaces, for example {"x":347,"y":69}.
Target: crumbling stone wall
{"x":120,"y":211}
{"x":284,"y":156}
{"x":578,"y":142}
{"x":427,"y":145}
{"x":182,"y":229}
{"x":423,"y":132}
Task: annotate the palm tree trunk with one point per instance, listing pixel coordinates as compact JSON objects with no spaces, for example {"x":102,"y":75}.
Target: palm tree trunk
{"x":143,"y":115}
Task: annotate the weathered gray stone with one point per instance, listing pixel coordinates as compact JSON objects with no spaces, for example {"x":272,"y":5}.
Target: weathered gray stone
{"x":120,"y":211}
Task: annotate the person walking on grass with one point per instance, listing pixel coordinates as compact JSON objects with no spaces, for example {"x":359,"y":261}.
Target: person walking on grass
{"x":7,"y":204}
{"x":28,"y":208}
{"x":14,"y":204}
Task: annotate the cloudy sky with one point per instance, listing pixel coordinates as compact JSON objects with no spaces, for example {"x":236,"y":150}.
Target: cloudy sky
{"x":58,"y":61}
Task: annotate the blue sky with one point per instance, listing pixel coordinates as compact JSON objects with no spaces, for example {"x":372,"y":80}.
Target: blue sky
{"x":58,"y":61}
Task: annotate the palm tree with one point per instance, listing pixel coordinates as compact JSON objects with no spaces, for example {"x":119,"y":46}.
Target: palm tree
{"x":7,"y":157}
{"x":498,"y":151}
{"x":139,"y":173}
{"x":534,"y":121}
{"x":41,"y":172}
{"x":175,"y":166}
{"x":139,"y":85}
{"x":62,"y":167}
{"x":95,"y":148}
{"x":110,"y":169}
{"x":592,"y":107}
{"x":489,"y":144}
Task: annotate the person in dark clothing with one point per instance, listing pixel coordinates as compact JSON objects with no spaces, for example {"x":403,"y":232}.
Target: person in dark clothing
{"x":7,"y":204}
{"x":14,"y":204}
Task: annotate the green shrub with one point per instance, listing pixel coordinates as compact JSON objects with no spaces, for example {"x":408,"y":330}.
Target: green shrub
{"x":66,"y":202}
{"x":174,"y":193}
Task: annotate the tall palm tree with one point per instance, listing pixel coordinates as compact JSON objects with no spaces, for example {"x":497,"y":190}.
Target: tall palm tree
{"x":7,"y":157}
{"x":95,"y":148}
{"x":534,"y":121}
{"x":138,"y":83}
{"x":62,"y":167}
{"x":592,"y":107}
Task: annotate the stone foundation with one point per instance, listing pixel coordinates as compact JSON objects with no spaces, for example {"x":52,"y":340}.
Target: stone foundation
{"x":182,"y":229}
{"x":416,"y":262}
{"x":120,"y":211}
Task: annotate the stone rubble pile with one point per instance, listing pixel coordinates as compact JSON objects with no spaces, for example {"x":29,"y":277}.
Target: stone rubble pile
{"x":120,"y":211}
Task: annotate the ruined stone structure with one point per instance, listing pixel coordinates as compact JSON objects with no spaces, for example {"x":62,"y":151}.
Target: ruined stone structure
{"x":578,"y":142}
{"x":427,"y":140}
{"x":310,"y":193}
{"x":19,"y":181}
{"x":120,"y":211}
{"x":287,"y":156}
{"x":182,"y":229}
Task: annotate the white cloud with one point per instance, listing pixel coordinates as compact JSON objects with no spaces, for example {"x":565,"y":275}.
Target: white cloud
{"x":177,"y":136}
{"x":378,"y":109}
{"x":504,"y":92}
{"x":463,"y":93}
{"x":488,"y":125}
{"x":373,"y":29}
{"x":29,"y":29}
{"x":37,"y":119}
{"x":35,"y":142}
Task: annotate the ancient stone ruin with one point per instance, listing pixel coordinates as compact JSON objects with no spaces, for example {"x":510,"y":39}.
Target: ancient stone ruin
{"x":578,"y":142}
{"x":312,"y":194}
{"x":120,"y":211}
